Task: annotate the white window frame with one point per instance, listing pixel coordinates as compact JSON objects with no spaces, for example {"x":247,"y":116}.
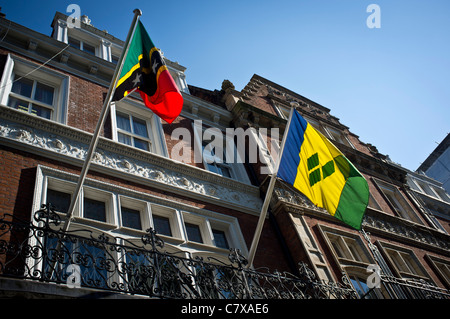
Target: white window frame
{"x":206,"y":225}
{"x":135,"y":204}
{"x":114,"y":197}
{"x":114,"y":50}
{"x":226,"y":228}
{"x":431,"y":190}
{"x":84,"y":36}
{"x":174,"y":221}
{"x":59,"y":185}
{"x":440,"y":193}
{"x":32,"y":71}
{"x":266,"y":156}
{"x":154,"y":126}
{"x":88,"y":192}
{"x":205,"y":230}
{"x":103,"y":48}
{"x":133,"y":136}
{"x":102,"y":196}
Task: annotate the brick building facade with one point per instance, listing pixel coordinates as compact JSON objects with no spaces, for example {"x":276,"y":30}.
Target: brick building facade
{"x":145,"y":174}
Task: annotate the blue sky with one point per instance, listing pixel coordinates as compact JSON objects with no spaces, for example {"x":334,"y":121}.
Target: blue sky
{"x":389,"y":85}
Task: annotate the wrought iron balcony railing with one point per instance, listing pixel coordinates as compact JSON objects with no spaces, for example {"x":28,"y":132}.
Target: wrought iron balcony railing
{"x":41,"y":251}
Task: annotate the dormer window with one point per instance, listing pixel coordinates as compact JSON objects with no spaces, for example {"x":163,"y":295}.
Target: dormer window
{"x":82,"y":45}
{"x":114,"y":59}
{"x":86,"y":38}
{"x":74,"y":43}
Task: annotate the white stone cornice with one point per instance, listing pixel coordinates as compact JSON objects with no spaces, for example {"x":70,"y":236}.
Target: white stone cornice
{"x":57,"y":141}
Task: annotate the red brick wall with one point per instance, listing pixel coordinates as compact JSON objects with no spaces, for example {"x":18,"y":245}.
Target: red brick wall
{"x":85,"y":98}
{"x":85,"y":104}
{"x":18,"y":172}
{"x":184,"y":123}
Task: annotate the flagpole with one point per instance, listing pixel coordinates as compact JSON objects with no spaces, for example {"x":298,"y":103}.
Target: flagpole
{"x":273,"y":178}
{"x":101,"y":121}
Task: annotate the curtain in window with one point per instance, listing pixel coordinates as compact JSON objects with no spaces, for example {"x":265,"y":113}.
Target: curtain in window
{"x":44,"y":93}
{"x":123,"y":122}
{"x":140,"y":127}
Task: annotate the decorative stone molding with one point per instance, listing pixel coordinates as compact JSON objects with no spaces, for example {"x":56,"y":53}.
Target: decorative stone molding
{"x":374,"y":220}
{"x":293,"y":197}
{"x":403,"y":229}
{"x":70,"y":145}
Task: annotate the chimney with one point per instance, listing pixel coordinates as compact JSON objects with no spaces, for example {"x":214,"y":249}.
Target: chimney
{"x":85,"y":19}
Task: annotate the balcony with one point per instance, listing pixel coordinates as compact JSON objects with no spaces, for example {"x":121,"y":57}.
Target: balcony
{"x":38,"y":253}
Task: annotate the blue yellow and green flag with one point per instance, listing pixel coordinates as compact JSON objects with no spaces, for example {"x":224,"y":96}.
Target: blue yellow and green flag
{"x":315,"y":167}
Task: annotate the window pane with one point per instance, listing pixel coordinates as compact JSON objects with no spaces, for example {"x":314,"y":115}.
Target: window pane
{"x":193,"y":233}
{"x":354,"y":252}
{"x":94,"y":209}
{"x":337,"y":249}
{"x":140,"y":127}
{"x":220,"y":239}
{"x":361,"y":287}
{"x":393,"y":200}
{"x":131,"y":218}
{"x":89,"y":48}
{"x":44,"y":93}
{"x":23,"y":87}
{"x":208,"y":150}
{"x":18,"y":104}
{"x":60,"y":200}
{"x":213,"y":168}
{"x":123,"y":122}
{"x":125,"y":139}
{"x":162,"y":225}
{"x":74,"y":43}
{"x":224,"y":171}
{"x":41,"y":111}
{"x":143,"y":145}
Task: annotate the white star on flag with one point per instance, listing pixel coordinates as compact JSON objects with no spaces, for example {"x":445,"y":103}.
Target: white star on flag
{"x":137,"y":80}
{"x":155,"y":66}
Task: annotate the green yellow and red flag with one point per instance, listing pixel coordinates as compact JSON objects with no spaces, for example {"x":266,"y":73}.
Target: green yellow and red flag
{"x":145,"y":71}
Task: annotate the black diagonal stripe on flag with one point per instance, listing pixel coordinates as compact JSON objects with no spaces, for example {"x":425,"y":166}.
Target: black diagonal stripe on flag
{"x":145,"y":71}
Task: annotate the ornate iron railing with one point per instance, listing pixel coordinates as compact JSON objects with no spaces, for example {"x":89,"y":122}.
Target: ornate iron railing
{"x":41,"y":251}
{"x":413,"y":288}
